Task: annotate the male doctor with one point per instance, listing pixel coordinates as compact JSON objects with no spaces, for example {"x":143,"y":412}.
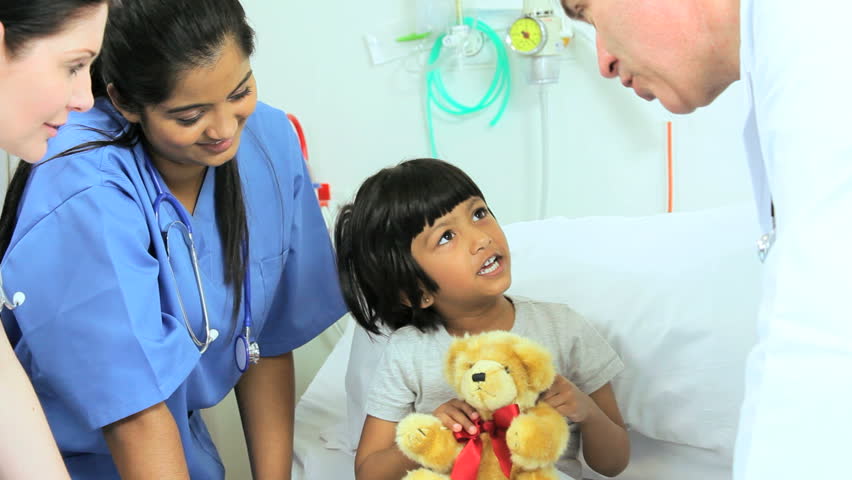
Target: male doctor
{"x":793,"y":58}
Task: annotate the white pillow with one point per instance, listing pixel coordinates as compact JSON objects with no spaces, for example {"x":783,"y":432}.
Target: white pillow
{"x":363,"y":358}
{"x":676,"y":295}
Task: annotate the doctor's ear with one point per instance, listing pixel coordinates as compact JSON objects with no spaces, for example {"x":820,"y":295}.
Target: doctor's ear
{"x":120,"y":105}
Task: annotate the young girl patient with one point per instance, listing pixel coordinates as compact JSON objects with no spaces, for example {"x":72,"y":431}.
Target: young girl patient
{"x":420,"y":254}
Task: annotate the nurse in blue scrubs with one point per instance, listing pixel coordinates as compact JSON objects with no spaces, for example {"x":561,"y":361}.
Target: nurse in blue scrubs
{"x":175,"y":234}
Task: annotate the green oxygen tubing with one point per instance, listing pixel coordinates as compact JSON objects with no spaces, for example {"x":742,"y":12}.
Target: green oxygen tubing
{"x":437,"y":94}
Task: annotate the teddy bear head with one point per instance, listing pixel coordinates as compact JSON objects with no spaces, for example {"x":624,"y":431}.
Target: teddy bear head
{"x":494,"y":369}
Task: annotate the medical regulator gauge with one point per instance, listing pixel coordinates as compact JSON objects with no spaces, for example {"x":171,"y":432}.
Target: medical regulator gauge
{"x":527,"y":36}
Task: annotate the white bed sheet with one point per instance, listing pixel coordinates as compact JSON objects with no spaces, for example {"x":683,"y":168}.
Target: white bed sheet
{"x":321,"y":454}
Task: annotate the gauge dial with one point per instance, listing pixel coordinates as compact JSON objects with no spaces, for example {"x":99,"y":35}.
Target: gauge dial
{"x":527,"y":35}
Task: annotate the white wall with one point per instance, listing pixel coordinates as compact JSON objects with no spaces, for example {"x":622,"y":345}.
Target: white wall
{"x":607,"y":145}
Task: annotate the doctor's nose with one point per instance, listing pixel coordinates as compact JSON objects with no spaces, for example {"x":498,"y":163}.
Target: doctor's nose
{"x":607,"y":63}
{"x":81,"y":98}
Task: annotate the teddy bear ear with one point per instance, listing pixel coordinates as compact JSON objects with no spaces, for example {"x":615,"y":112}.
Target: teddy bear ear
{"x":538,"y":363}
{"x":456,"y":348}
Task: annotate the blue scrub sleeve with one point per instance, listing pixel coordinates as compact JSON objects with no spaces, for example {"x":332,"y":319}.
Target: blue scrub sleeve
{"x":92,"y":318}
{"x":307,"y":297}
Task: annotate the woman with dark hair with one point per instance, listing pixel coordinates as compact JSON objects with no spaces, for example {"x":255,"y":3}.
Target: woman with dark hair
{"x":46,"y":48}
{"x":192,"y":246}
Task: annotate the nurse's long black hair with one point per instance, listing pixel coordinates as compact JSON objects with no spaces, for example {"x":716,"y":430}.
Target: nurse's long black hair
{"x":147,"y":44}
{"x":373,"y":238}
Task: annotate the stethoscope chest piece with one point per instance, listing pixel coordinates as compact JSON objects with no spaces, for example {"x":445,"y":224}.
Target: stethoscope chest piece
{"x":245,"y":352}
{"x":254,"y":352}
{"x":241,"y":353}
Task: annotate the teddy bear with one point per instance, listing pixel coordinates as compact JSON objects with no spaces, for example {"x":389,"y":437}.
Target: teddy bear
{"x":520,"y":438}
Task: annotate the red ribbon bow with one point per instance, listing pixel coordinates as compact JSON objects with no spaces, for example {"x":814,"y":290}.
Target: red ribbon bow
{"x":467,"y":463}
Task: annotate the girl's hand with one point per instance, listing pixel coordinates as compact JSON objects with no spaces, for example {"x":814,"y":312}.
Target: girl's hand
{"x":457,"y":415}
{"x":569,"y":401}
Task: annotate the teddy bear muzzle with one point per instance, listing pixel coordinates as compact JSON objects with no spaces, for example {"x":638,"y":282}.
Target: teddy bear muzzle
{"x":487,"y":385}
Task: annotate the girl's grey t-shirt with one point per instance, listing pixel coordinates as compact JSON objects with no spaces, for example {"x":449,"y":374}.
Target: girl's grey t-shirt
{"x":409,"y":378}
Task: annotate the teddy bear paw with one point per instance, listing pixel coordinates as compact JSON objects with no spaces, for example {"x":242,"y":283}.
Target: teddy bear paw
{"x":425,"y":440}
{"x":423,"y":474}
{"x":531,"y":449}
{"x":416,"y":432}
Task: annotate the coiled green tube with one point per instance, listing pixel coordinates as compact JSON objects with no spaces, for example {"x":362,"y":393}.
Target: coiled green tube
{"x":437,"y":94}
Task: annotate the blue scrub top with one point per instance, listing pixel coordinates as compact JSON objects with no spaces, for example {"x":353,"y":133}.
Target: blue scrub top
{"x":101,"y":333}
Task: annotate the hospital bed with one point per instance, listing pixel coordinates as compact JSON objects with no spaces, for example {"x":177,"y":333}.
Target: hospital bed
{"x":675,"y":294}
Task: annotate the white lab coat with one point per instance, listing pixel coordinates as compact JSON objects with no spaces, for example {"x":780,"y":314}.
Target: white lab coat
{"x":796,"y":419}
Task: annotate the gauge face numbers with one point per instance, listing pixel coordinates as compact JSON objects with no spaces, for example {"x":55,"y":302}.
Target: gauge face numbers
{"x":526,"y":35}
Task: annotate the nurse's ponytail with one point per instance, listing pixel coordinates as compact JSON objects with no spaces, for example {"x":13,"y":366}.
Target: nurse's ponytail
{"x":9,"y":215}
{"x":233,"y":227}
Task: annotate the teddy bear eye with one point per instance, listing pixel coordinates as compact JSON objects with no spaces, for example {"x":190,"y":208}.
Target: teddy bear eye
{"x":507,"y":369}
{"x":468,"y":366}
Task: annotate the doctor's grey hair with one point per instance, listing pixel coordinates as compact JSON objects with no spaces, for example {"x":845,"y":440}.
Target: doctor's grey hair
{"x":27,"y":21}
{"x":381,"y":281}
{"x":147,"y":45}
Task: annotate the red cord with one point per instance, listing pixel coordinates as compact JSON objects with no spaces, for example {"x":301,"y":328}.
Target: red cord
{"x":323,"y":189}
{"x":297,"y":126}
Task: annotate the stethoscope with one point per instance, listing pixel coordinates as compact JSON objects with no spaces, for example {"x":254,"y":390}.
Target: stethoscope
{"x":17,"y":298}
{"x":245,"y":351}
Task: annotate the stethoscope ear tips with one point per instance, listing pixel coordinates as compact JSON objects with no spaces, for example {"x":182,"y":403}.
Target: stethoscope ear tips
{"x":18,"y":298}
{"x":214,"y":334}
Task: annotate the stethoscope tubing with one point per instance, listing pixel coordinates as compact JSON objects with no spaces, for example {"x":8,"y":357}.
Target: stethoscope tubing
{"x":242,"y":341}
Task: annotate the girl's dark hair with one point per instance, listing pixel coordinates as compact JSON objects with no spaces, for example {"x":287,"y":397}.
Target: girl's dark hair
{"x":25,"y":21}
{"x":373,"y":238}
{"x":147,"y":45}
